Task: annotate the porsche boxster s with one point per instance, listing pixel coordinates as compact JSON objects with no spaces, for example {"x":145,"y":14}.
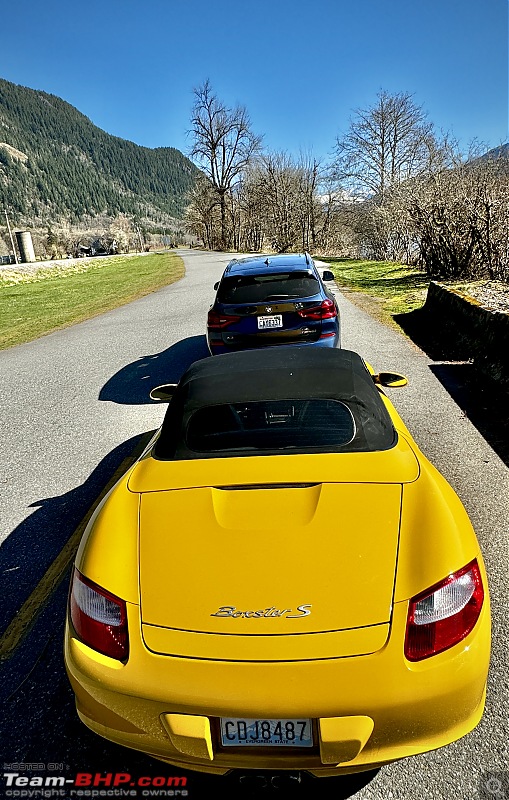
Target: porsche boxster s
{"x":281,"y":581}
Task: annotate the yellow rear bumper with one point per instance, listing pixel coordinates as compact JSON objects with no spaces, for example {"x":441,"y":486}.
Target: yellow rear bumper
{"x":369,"y":710}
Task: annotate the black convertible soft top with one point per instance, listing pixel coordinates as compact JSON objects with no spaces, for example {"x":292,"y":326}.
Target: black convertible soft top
{"x":280,"y":400}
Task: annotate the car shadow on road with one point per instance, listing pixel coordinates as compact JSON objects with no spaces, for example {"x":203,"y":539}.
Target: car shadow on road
{"x":291,"y":786}
{"x":30,"y":549}
{"x":132,"y":384}
{"x":481,"y":398}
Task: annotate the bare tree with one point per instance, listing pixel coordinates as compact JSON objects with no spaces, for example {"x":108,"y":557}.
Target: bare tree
{"x":461,"y":216}
{"x":201,"y":216}
{"x":121,"y":231}
{"x":386,"y":144}
{"x":322,"y":227}
{"x":224,"y":145}
{"x":423,"y":201}
{"x":251,"y":208}
{"x":280,"y":182}
{"x":278,"y":204}
{"x":307,"y":170}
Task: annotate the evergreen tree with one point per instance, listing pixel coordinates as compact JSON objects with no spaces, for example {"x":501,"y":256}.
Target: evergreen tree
{"x":54,"y":163}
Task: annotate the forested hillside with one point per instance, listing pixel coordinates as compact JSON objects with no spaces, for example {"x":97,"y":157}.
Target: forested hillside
{"x":55,"y":165}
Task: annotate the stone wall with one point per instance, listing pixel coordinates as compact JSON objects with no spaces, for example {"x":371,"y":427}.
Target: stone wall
{"x":476,"y":332}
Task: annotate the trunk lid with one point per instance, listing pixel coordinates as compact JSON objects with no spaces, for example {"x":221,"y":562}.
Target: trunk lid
{"x":283,"y":559}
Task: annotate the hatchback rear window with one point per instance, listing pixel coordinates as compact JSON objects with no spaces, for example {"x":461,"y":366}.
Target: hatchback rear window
{"x":271,"y":425}
{"x":263,"y":287}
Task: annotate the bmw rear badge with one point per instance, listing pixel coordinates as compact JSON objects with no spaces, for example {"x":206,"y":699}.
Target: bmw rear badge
{"x":268,"y":309}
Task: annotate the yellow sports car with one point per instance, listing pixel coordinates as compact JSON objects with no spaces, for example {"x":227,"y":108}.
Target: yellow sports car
{"x":282,"y":581}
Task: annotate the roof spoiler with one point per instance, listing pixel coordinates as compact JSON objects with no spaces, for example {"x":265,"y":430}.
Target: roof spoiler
{"x":306,"y":256}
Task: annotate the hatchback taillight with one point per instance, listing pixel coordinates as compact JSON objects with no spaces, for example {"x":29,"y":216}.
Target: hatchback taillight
{"x":326,"y":310}
{"x":444,"y":614}
{"x":99,"y":618}
{"x":216,"y":321}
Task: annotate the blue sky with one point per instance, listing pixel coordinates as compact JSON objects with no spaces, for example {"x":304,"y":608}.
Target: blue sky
{"x":300,"y":68}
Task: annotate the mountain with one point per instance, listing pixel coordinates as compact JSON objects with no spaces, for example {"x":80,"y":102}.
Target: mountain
{"x":56,"y":165}
{"x":502,"y":151}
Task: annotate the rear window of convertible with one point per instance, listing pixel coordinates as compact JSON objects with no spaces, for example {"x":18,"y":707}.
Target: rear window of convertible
{"x":271,"y":424}
{"x":284,"y":400}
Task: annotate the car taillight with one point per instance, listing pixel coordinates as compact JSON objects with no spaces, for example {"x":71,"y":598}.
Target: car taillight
{"x":326,"y":310}
{"x":99,"y":618}
{"x":216,"y":321}
{"x":444,"y":614}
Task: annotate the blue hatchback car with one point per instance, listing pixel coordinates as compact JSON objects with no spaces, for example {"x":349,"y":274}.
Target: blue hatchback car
{"x":263,"y":301}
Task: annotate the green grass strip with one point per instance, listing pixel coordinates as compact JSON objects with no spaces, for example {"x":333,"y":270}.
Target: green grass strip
{"x":33,"y":304}
{"x":399,"y":288}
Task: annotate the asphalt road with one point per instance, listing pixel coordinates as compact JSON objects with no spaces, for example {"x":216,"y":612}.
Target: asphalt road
{"x":75,"y":403}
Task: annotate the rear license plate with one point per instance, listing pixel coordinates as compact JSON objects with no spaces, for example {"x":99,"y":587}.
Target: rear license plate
{"x":266,"y":732}
{"x":274,"y":321}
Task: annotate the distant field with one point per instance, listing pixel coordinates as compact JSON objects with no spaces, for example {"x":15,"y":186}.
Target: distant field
{"x":32,"y":304}
{"x":384,"y":288}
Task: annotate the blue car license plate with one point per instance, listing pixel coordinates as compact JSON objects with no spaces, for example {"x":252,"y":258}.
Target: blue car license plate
{"x":266,"y":732}
{"x":274,"y":321}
